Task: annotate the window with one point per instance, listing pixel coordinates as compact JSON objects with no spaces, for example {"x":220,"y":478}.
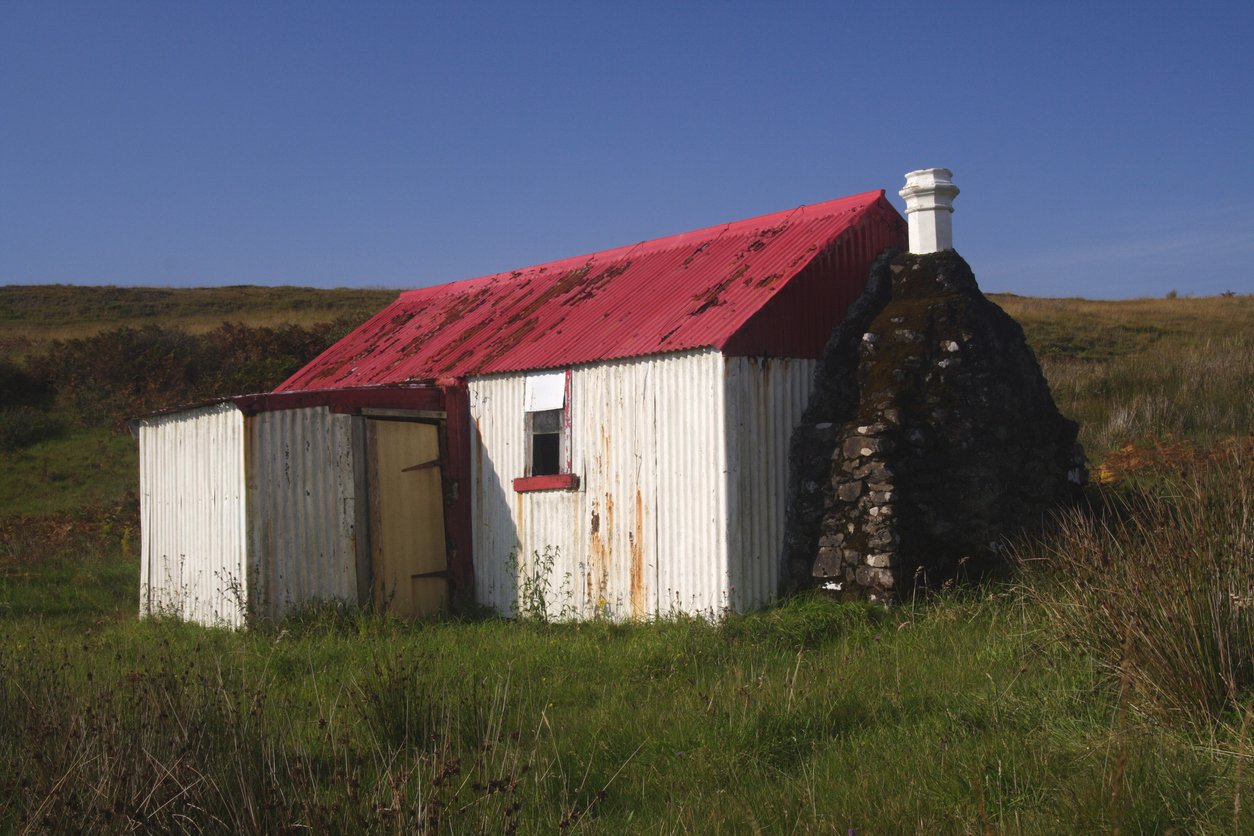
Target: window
{"x":546,"y":413}
{"x":545,"y":431}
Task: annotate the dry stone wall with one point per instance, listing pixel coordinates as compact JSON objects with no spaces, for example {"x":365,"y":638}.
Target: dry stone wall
{"x":931,"y":436}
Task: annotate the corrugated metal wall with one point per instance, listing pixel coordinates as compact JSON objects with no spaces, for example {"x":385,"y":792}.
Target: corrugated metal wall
{"x":643,"y":534}
{"x":683,"y":465}
{"x":301,"y":509}
{"x":765,"y":399}
{"x":192,"y":515}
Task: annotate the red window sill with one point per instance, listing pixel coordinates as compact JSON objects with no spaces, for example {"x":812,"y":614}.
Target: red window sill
{"x":556,"y":482}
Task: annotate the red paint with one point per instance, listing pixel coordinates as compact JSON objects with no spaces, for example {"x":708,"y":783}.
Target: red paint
{"x":798,"y":320}
{"x":457,"y":522}
{"x":773,"y":285}
{"x":555,"y":482}
{"x":421,"y":397}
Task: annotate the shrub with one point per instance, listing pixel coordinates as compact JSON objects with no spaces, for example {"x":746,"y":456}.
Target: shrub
{"x":20,"y":388}
{"x":1157,"y":584}
{"x":22,"y":426}
{"x":118,"y":374}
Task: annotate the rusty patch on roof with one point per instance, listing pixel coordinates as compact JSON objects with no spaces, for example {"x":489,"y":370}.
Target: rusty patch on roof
{"x":711,"y":297}
{"x":695,"y":253}
{"x":700,"y":289}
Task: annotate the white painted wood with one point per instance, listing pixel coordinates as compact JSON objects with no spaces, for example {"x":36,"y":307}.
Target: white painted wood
{"x":544,"y":390}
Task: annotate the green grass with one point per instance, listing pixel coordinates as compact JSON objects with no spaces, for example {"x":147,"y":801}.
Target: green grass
{"x":85,"y":467}
{"x":953,"y":716}
{"x":989,"y":710}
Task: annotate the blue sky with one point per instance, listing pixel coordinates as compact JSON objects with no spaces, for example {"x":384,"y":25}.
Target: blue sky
{"x":1103,"y":150}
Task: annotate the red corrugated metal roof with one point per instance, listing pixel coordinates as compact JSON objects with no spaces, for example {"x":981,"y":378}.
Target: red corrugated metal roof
{"x":693,"y":290}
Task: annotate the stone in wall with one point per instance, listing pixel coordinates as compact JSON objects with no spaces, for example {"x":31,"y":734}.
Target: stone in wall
{"x":930,"y":437}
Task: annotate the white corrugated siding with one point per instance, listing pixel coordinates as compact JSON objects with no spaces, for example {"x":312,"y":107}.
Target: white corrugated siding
{"x":765,"y":399}
{"x":301,"y":497}
{"x":192,"y":516}
{"x":644,"y":533}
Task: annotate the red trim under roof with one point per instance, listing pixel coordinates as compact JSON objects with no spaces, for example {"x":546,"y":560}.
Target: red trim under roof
{"x":695,"y":290}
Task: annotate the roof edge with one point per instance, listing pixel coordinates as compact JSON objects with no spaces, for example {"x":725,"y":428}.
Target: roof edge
{"x":650,"y":245}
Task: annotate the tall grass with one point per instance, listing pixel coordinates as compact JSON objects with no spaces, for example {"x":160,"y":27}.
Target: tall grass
{"x":948,"y":716}
{"x":1069,"y":703}
{"x":1157,"y":584}
{"x":1145,"y":369}
{"x":1196,"y":391}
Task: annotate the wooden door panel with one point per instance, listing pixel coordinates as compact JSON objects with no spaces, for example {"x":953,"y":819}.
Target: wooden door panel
{"x":407,"y":517}
{"x":429,"y":595}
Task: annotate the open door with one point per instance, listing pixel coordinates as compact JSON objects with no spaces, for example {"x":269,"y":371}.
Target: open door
{"x":407,"y":518}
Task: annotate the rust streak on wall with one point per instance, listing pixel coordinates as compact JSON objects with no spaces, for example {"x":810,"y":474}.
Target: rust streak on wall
{"x":639,"y":608}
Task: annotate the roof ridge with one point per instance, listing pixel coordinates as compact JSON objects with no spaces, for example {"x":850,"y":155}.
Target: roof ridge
{"x":655,"y":245}
{"x":752,"y":281}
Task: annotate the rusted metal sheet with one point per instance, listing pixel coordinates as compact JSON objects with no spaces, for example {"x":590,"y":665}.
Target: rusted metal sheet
{"x":302,"y":524}
{"x":644,"y":533}
{"x":193,"y":561}
{"x":773,"y":285}
{"x":765,"y":398}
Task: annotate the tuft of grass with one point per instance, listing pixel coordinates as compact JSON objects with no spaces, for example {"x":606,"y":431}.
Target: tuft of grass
{"x":1194,"y":391}
{"x":1157,"y":584}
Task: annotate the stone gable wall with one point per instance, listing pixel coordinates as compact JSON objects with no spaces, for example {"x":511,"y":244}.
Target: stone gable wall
{"x":931,"y":436}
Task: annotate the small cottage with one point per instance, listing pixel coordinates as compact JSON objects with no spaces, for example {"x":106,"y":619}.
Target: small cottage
{"x":601,"y":436}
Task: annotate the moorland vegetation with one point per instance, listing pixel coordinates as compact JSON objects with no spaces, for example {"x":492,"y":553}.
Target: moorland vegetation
{"x":1107,"y":685}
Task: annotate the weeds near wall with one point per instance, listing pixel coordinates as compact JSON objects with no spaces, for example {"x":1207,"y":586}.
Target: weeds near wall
{"x":534,"y":584}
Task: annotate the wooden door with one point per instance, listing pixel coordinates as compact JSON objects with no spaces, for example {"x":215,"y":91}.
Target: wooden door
{"x":407,"y":518}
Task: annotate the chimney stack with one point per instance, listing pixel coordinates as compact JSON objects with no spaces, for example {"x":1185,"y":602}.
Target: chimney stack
{"x":929,"y":195}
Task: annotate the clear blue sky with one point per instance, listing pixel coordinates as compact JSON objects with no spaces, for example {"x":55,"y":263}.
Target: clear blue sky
{"x":1103,"y":150}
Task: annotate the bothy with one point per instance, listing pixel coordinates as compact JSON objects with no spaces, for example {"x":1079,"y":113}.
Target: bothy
{"x":600,"y":436}
{"x":609,"y":435}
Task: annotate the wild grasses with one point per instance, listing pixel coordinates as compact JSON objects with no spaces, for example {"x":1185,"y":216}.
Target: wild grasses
{"x":70,"y":478}
{"x":952,"y":716}
{"x":1194,"y":391}
{"x":1157,"y":584}
{"x":1146,"y":369}
{"x":1110,"y":688}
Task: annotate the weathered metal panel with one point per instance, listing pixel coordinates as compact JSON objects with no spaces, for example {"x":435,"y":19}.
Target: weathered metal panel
{"x":302,"y":509}
{"x":193,"y":516}
{"x":765,"y":398}
{"x":643,"y":534}
{"x":694,"y":290}
{"x":691,"y":501}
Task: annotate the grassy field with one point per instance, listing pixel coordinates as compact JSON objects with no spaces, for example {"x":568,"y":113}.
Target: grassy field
{"x":1146,"y":368}
{"x":31,"y":315}
{"x":1108,"y":688}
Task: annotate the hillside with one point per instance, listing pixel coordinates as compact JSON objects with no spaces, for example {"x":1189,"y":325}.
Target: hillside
{"x":33,"y":314}
{"x":1105,"y":687}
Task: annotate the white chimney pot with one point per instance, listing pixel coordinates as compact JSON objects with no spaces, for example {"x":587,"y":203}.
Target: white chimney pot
{"x":929,"y":195}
